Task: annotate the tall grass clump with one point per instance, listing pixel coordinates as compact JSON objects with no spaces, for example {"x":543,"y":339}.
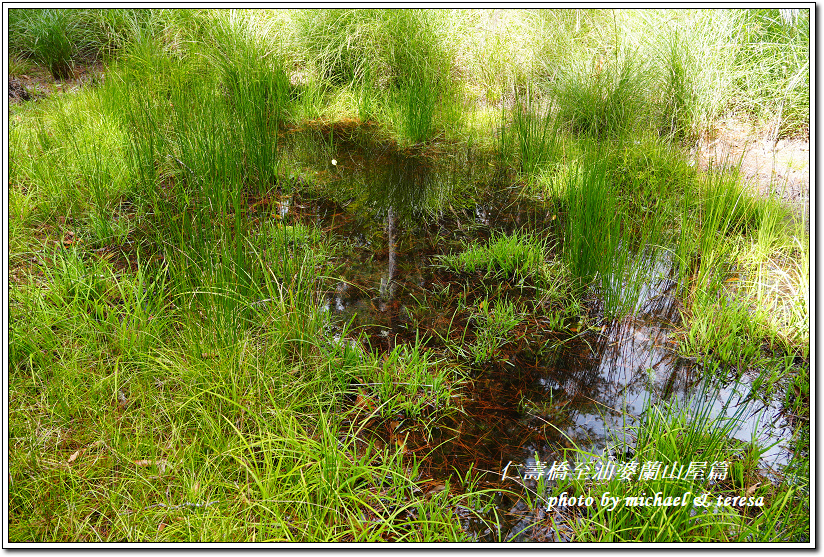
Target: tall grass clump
{"x":775,"y":61}
{"x":71,"y":140}
{"x":50,"y":36}
{"x":533,"y":133}
{"x":592,"y":224}
{"x":249,"y":57}
{"x":421,"y":75}
{"x":700,"y":63}
{"x":732,"y":313}
{"x":497,"y":50}
{"x":603,"y":94}
{"x":60,"y":39}
{"x":750,"y":63}
{"x":392,"y":60}
{"x":677,"y":118}
{"x":607,"y":243}
{"x":341,"y":44}
{"x":118,"y":27}
{"x":140,"y":91}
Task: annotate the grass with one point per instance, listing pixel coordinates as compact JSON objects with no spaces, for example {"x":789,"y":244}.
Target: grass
{"x":50,"y":36}
{"x":736,"y":506}
{"x":407,"y":382}
{"x":730,"y":318}
{"x":217,"y":401}
{"x":534,"y":133}
{"x":391,"y":59}
{"x":496,"y":322}
{"x":604,"y":98}
{"x":60,"y":39}
{"x":605,"y":244}
{"x":173,"y":375}
{"x":515,"y":257}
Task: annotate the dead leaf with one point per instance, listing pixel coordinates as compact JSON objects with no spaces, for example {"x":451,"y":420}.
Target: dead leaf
{"x":436,"y":488}
{"x":76,"y":454}
{"x":160,"y":527}
{"x":161,"y":464}
{"x":365,"y":402}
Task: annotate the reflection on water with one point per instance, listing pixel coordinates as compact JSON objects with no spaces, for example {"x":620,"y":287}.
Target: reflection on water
{"x":585,"y":387}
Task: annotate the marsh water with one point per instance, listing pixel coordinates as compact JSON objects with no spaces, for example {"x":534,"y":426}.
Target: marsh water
{"x":587,"y":384}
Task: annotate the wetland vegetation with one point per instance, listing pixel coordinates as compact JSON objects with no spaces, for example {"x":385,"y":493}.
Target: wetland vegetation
{"x":404,"y":275}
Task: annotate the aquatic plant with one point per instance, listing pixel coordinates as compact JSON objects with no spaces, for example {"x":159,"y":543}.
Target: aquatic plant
{"x":496,"y":320}
{"x":517,"y":256}
{"x":726,"y":501}
{"x":537,"y":138}
{"x":605,"y":98}
{"x":169,"y":351}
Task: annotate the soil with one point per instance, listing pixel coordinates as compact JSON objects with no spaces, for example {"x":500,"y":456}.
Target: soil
{"x":780,"y":168}
{"x":39,"y":82}
{"x":17,"y":91}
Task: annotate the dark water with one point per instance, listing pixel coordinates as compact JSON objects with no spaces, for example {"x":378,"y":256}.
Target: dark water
{"x":586,"y":386}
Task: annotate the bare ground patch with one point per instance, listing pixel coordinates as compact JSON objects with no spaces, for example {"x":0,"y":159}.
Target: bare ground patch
{"x":780,"y":168}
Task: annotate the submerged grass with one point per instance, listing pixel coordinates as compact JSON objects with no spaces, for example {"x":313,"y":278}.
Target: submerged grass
{"x":702,"y":485}
{"x":605,"y":244}
{"x":730,"y":319}
{"x":496,"y":322}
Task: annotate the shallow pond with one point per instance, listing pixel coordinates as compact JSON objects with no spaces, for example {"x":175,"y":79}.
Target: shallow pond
{"x":585,"y":383}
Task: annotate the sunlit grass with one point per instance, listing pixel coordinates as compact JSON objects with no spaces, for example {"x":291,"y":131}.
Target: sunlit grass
{"x":514,"y":257}
{"x":173,"y":375}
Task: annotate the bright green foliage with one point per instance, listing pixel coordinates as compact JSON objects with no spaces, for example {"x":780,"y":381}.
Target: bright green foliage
{"x":254,"y":75}
{"x":50,"y":36}
{"x":407,"y":381}
{"x":535,"y":133}
{"x":496,"y":321}
{"x":172,"y":371}
{"x":605,"y":98}
{"x":514,"y":257}
{"x":391,"y":58}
